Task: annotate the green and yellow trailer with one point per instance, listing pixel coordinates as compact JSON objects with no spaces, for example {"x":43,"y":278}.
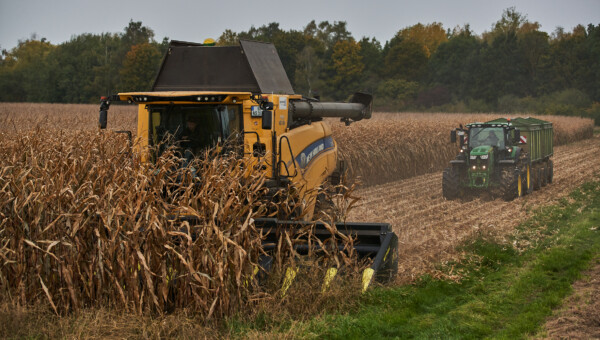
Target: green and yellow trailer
{"x":507,"y":157}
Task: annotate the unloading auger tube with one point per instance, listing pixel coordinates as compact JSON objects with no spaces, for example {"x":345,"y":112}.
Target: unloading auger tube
{"x":358,"y":108}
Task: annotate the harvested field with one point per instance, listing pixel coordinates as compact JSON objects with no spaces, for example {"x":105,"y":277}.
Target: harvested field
{"x":430,"y":227}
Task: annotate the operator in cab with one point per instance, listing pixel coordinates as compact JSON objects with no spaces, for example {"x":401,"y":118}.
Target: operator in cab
{"x":193,"y":140}
{"x":492,"y":139}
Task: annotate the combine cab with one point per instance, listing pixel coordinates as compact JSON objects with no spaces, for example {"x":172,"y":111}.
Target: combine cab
{"x":204,"y":96}
{"x":509,"y":158}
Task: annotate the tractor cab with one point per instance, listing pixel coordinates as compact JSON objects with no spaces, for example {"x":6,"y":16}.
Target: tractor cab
{"x":483,"y":145}
{"x":487,"y":136}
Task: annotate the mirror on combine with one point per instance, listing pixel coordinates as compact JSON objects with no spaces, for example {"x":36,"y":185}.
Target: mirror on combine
{"x":266,"y":106}
{"x":103,"y":119}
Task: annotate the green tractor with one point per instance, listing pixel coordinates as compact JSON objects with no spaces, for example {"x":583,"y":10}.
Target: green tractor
{"x":507,"y":158}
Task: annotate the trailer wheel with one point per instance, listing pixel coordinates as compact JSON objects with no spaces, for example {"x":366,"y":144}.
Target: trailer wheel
{"x":550,"y":171}
{"x":528,"y":179}
{"x":537,"y":177}
{"x":450,"y":184}
{"x":544,"y":175}
{"x":510,"y":183}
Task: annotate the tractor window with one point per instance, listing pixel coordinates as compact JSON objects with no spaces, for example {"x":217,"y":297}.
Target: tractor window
{"x":492,"y":136}
{"x":194,"y":128}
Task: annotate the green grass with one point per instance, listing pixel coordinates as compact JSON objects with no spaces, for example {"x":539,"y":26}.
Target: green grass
{"x":506,"y":294}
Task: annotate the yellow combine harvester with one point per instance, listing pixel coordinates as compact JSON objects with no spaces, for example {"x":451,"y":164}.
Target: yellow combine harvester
{"x":206,"y":95}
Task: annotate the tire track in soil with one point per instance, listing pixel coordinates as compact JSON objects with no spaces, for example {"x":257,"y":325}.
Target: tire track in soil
{"x":430,"y":227}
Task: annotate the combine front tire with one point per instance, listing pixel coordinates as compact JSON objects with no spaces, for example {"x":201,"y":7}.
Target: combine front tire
{"x":450,"y":184}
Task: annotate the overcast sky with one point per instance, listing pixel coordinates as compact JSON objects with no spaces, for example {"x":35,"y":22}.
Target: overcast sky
{"x":59,"y":20}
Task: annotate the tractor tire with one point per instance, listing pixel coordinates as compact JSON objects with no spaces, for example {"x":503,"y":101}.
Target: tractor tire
{"x":537,"y":177}
{"x":510,"y":184}
{"x":550,"y":171}
{"x":544,"y":176}
{"x":450,"y":184}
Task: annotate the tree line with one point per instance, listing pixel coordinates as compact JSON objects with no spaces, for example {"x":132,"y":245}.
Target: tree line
{"x":514,"y":67}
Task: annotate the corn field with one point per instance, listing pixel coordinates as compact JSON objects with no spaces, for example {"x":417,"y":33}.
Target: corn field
{"x":84,"y":223}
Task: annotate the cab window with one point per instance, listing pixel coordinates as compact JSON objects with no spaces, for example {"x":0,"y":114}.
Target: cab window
{"x":194,"y":128}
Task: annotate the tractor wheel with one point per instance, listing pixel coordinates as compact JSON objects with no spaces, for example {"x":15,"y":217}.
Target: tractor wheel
{"x":450,"y":184}
{"x":526,"y":174}
{"x":550,"y":171}
{"x":511,"y":184}
{"x":537,"y":177}
{"x":528,"y":179}
{"x":544,"y":176}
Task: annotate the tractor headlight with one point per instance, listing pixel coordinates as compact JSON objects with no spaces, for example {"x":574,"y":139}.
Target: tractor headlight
{"x":483,"y":167}
{"x":474,"y":167}
{"x":484,"y":156}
